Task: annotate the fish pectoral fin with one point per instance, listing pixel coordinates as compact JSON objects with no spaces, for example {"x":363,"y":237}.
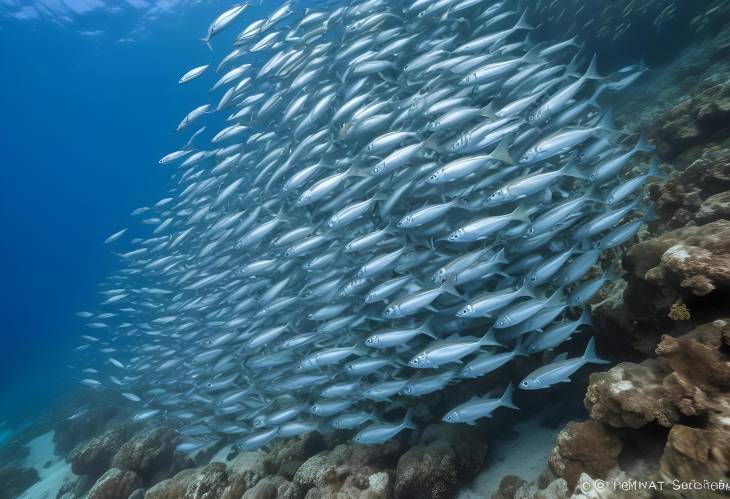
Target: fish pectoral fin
{"x":471,"y":423}
{"x":566,"y":380}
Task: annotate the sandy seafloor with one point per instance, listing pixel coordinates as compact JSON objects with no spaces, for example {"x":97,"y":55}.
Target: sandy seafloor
{"x":52,"y":469}
{"x":524,"y":456}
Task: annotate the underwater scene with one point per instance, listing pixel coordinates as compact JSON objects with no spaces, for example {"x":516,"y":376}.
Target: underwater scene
{"x":377,"y":249}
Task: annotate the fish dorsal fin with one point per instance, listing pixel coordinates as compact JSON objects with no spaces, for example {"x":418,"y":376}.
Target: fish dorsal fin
{"x":561,"y":357}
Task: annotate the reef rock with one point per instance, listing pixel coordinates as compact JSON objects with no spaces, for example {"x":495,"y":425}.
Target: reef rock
{"x":697,"y":453}
{"x":685,"y":198}
{"x":586,"y":447}
{"x":274,"y":487}
{"x":69,"y":433}
{"x":696,"y":258}
{"x":213,"y":481}
{"x":444,"y":456}
{"x":115,"y":484}
{"x":696,"y":120}
{"x":148,"y":453}
{"x":631,"y":395}
{"x":13,"y":480}
{"x":350,"y":471}
{"x":95,"y":456}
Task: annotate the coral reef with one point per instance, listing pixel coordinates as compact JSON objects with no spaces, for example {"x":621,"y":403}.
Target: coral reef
{"x":115,"y":484}
{"x":95,"y":456}
{"x":586,"y":447}
{"x":443,"y":457}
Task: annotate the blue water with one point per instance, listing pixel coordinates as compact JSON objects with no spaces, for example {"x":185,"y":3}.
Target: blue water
{"x":84,"y":121}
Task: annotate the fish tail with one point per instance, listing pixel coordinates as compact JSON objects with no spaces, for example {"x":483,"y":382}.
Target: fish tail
{"x":500,"y":257}
{"x":490,"y":339}
{"x":408,"y":420}
{"x":592,"y":71}
{"x":501,"y":152}
{"x":606,"y":123}
{"x":488,"y":111}
{"x":448,"y":287}
{"x":585,"y":318}
{"x":643,"y":146}
{"x":522,"y":22}
{"x":654,"y":170}
{"x":590,"y":356}
{"x":206,"y":41}
{"x":432,"y":143}
{"x":506,"y":399}
{"x":521,"y":213}
{"x":520,"y":350}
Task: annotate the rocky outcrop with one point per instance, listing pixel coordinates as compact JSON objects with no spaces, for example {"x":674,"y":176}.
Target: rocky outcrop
{"x":208,"y":482}
{"x":115,"y":484}
{"x":13,"y":481}
{"x":444,"y":456}
{"x":696,"y":120}
{"x":631,"y":396}
{"x":95,"y":456}
{"x":696,"y":194}
{"x":151,"y":454}
{"x":585,"y":447}
{"x":70,"y":432}
{"x":693,"y":258}
{"x":351,"y":471}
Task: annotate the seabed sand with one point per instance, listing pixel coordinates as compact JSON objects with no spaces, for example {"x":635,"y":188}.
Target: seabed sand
{"x":52,"y":477}
{"x":524,"y":455}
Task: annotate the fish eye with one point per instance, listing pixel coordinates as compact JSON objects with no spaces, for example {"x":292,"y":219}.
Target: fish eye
{"x":415,"y":361}
{"x":531,"y":230}
{"x":531,"y":118}
{"x":370,"y":341}
{"x":533,"y":278}
{"x":376,"y":170}
{"x":524,"y":383}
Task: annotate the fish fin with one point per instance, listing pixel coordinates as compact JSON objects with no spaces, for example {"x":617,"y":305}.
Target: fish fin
{"x":506,"y":399}
{"x":592,"y":71}
{"x":488,"y":111}
{"x":432,"y":143}
{"x":533,"y":55}
{"x":206,"y":41}
{"x":585,"y":318}
{"x":654,"y":170}
{"x":520,"y":350}
{"x":556,"y":299}
{"x":471,"y":423}
{"x":643,"y":146}
{"x":521,"y":213}
{"x":408,"y":420}
{"x":606,"y":122}
{"x":522,"y":22}
{"x":490,"y":339}
{"x":561,"y":357}
{"x":500,"y":257}
{"x":501,"y":152}
{"x":449,"y":287}
{"x":589,"y":356}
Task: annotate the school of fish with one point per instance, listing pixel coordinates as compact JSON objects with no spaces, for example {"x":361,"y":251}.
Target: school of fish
{"x":397,"y":196}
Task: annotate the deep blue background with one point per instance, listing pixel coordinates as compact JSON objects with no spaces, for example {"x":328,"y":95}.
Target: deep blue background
{"x":84,"y":120}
